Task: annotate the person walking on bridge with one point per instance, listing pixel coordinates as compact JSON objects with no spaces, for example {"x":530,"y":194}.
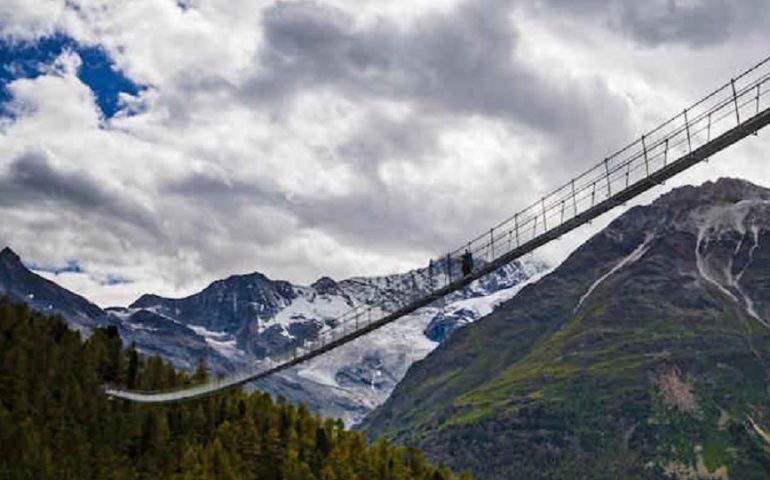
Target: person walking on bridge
{"x":467,"y":263}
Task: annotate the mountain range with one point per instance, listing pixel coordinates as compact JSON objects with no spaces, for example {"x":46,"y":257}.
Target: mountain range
{"x":645,"y":354}
{"x":247,"y":318}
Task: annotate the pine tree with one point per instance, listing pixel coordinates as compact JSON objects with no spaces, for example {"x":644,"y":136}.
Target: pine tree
{"x":133,"y":367}
{"x":55,"y":421}
{"x":201,"y":371}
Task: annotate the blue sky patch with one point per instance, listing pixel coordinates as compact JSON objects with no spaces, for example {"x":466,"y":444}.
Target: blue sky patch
{"x":185,"y":4}
{"x":115,"y":280}
{"x":72,"y":266}
{"x":30,"y":59}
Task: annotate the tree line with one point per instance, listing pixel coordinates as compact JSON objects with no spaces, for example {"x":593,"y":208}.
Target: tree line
{"x":57,"y":423}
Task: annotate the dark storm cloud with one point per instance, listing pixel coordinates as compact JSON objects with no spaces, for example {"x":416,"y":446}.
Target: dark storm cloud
{"x":33,"y":181}
{"x":460,"y":63}
{"x":371,"y":218}
{"x":394,"y":225}
{"x":219,"y":206}
{"x":213,"y":186}
{"x":447,"y":67}
{"x":380,"y":137}
{"x":700,"y":25}
{"x":696,"y":23}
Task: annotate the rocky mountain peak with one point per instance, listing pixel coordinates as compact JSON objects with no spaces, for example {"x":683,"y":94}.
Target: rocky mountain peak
{"x":727,"y":206}
{"x":253,"y":278}
{"x":325,"y":286}
{"x":723,"y":190}
{"x":21,"y":284}
{"x":145,"y":300}
{"x":9,"y":256}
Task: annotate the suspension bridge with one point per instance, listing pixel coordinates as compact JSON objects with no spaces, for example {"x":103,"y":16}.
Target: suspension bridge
{"x":732,"y":112}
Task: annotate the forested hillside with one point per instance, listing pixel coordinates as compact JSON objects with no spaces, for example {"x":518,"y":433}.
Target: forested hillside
{"x":56,"y":422}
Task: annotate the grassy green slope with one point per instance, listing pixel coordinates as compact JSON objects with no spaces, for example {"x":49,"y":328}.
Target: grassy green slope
{"x":659,"y":374}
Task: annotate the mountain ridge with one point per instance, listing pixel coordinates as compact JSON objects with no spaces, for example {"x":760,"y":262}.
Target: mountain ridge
{"x":43,"y":294}
{"x":245,"y":318}
{"x":643,"y":355}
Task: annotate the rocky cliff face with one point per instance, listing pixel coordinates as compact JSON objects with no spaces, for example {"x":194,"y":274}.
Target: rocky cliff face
{"x":646,"y":354}
{"x":18,"y":283}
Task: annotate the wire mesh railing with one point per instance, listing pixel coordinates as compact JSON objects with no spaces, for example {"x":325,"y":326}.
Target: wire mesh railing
{"x":731,"y":106}
{"x":718,"y":112}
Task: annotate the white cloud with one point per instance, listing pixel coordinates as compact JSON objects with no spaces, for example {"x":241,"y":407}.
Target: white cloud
{"x":367,"y":137}
{"x":24,"y":19}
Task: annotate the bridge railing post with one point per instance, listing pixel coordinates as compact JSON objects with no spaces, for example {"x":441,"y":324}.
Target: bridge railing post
{"x":516,"y":225}
{"x":759,"y":95}
{"x":574,"y":198}
{"x":448,"y":269}
{"x":735,"y":101}
{"x":628,"y":173}
{"x":708,"y":128}
{"x":430,"y":275}
{"x":492,"y":242}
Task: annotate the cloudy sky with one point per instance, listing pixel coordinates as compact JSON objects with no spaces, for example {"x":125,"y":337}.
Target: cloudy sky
{"x":157,"y":145}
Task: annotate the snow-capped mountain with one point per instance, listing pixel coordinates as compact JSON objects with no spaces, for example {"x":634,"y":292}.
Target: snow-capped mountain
{"x":152,"y":333}
{"x":352,"y":380}
{"x":248,"y":318}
